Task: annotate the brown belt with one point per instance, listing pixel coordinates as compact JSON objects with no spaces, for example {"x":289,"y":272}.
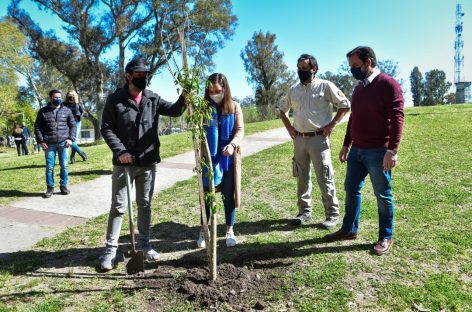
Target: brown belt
{"x":309,"y":134}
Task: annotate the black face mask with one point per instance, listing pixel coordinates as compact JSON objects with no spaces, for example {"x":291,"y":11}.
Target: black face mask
{"x":140,"y":82}
{"x":305,"y":75}
{"x":70,"y":98}
{"x":358,"y":73}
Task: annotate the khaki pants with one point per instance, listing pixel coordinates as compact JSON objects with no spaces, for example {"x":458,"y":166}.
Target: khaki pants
{"x":317,"y":150}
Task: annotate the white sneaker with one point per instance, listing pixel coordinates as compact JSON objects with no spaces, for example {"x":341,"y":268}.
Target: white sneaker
{"x":150,"y":254}
{"x":230,"y":239}
{"x":201,"y":239}
{"x":107,"y":261}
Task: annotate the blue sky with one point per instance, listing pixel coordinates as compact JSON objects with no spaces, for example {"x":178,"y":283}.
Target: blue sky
{"x":411,"y":32}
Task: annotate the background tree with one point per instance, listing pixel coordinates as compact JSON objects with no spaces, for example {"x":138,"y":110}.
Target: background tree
{"x":416,"y":85}
{"x":435,"y":87}
{"x":95,"y":26}
{"x":266,"y":70}
{"x":13,"y":56}
{"x":208,"y":24}
{"x":83,"y":71}
{"x":342,"y":79}
{"x":126,"y":17}
{"x":450,"y":98}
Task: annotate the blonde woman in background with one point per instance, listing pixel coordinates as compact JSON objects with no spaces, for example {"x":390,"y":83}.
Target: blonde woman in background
{"x":72,"y":102}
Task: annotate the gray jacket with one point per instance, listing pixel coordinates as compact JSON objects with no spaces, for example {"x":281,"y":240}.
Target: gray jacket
{"x":130,"y":128}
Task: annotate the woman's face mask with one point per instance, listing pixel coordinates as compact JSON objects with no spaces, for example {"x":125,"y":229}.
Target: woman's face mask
{"x":217,"y":98}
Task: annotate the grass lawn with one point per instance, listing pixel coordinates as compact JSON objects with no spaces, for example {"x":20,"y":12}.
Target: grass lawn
{"x":17,"y":173}
{"x":428,"y":269}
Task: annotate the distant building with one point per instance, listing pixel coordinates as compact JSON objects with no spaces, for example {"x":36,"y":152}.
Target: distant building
{"x":87,"y":136}
{"x":463,"y":92}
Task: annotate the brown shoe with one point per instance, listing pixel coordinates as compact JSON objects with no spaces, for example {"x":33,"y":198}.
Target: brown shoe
{"x":382,"y":246}
{"x":340,"y":235}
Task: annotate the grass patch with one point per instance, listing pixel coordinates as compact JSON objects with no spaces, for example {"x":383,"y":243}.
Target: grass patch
{"x":429,"y":265}
{"x":18,"y":172}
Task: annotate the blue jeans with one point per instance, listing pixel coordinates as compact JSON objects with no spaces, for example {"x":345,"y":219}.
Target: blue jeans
{"x":50,"y":155}
{"x":75,"y":147}
{"x":227,"y":192}
{"x":360,"y":162}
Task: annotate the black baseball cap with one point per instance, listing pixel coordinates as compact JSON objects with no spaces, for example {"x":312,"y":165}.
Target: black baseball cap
{"x":136,"y":65}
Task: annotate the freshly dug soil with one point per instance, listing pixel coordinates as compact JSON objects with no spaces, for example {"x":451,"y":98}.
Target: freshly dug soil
{"x":235,"y":287}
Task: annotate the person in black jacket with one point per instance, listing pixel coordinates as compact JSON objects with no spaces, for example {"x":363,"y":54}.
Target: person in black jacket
{"x":130,"y":128}
{"x":20,"y":141}
{"x":72,"y":103}
{"x":55,"y":130}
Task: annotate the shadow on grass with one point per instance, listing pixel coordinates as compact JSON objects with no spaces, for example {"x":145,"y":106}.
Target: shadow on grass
{"x":89,"y":172}
{"x":24,"y":167}
{"x":174,"y":237}
{"x":16,"y":193}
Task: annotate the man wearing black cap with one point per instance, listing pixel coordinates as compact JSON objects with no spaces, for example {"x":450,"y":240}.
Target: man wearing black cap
{"x":130,"y":128}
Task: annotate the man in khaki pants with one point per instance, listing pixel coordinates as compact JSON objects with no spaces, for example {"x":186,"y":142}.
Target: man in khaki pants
{"x":312,"y":101}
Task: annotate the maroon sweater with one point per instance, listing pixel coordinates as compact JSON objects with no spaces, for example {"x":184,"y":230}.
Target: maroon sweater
{"x":376,"y":119}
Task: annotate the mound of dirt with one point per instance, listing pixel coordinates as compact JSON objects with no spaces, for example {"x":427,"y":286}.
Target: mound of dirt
{"x":235,"y":287}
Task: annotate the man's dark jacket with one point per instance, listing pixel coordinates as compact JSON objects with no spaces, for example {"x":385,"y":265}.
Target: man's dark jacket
{"x":131,"y":128}
{"x":50,"y":127}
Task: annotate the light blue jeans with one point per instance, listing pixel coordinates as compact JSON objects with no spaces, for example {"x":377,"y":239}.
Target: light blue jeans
{"x":75,"y":147}
{"x":50,"y":155}
{"x":360,"y":162}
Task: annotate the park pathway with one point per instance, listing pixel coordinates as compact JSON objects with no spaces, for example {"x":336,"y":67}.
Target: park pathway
{"x":23,"y":223}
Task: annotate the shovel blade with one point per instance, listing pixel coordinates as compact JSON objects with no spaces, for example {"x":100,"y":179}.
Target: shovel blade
{"x":134,"y":261}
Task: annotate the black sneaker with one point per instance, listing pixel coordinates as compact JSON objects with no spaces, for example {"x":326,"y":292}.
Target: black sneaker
{"x":83,"y":155}
{"x":49,"y":192}
{"x":64,"y":190}
{"x":301,"y":218}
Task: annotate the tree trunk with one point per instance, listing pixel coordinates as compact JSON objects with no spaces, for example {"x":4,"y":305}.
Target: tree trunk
{"x":37,"y":94}
{"x":121,"y":62}
{"x":95,"y":123}
{"x":212,"y":261}
{"x":211,"y":247}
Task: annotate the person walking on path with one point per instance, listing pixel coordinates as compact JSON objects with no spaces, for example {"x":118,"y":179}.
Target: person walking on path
{"x":72,"y":102}
{"x":374,"y":133}
{"x":312,"y":101}
{"x":55,"y":131}
{"x":224,"y":132}
{"x":20,"y":141}
{"x":130,"y":128}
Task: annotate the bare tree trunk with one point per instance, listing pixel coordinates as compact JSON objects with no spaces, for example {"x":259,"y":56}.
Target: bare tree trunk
{"x":121,"y":61}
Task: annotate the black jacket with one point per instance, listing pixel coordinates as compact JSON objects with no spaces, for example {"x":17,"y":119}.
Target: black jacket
{"x":76,"y":109}
{"x":127,"y":127}
{"x":52,"y":128}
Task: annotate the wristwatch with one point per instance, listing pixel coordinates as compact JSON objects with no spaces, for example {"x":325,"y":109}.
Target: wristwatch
{"x":393,"y":152}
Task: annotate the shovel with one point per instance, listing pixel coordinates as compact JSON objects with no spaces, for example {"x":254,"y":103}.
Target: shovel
{"x":134,"y":259}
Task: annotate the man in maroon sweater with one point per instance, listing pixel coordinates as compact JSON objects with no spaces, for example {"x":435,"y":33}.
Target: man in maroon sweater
{"x":374,"y":132}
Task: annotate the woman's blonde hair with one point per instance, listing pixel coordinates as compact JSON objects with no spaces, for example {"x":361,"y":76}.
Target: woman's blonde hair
{"x":74,"y":95}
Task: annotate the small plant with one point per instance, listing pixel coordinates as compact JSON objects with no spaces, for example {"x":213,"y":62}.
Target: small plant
{"x":190,"y":81}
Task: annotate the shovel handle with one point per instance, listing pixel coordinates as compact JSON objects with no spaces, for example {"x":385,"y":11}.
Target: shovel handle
{"x":130,"y":208}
